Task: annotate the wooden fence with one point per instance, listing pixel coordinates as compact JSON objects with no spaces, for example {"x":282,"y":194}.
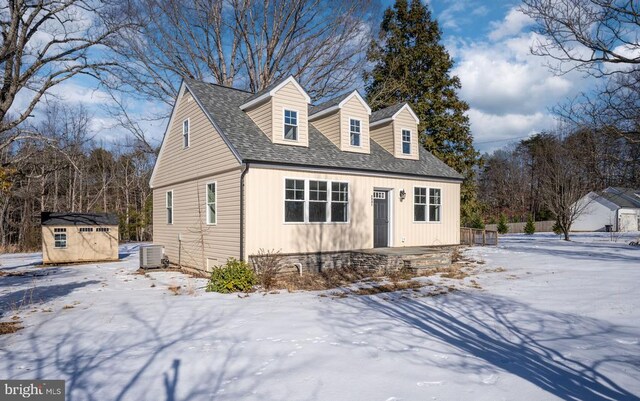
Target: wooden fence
{"x":475,"y":236}
{"x":518,"y":228}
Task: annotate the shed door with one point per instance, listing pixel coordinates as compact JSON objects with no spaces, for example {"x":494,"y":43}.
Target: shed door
{"x":380,"y":219}
{"x":628,"y":222}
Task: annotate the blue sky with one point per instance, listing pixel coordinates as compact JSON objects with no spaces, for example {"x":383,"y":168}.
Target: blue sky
{"x":509,"y":91}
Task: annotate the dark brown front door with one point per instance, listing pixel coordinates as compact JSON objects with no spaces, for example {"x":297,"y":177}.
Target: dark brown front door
{"x":380,"y":219}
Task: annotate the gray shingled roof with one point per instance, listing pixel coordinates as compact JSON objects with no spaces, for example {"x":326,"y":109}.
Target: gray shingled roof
{"x":78,"y":219}
{"x":265,"y":90}
{"x":385,"y":113}
{"x":329,"y":103}
{"x":623,"y":197}
{"x":222,"y":104}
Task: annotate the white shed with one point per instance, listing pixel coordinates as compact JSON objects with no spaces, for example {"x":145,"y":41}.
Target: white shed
{"x":617,"y":207}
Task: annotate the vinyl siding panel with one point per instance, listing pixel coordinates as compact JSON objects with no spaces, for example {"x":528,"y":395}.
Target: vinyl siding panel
{"x":383,"y":135}
{"x":329,"y":126}
{"x":262,"y":116}
{"x":221,"y":240}
{"x":354,"y":109}
{"x":404,"y":120}
{"x":207,"y":152}
{"x":290,"y":98}
{"x":265,"y":214}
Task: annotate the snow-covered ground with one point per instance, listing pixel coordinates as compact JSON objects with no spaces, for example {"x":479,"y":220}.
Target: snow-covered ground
{"x":561,"y":321}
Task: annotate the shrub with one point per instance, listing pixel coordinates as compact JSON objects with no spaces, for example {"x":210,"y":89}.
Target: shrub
{"x":234,"y":276}
{"x":476,"y":222}
{"x":557,"y":230}
{"x":503,"y":228}
{"x":530,"y":227}
{"x":267,"y":266}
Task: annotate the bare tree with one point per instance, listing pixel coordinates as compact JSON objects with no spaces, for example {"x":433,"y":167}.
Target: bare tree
{"x":241,"y":43}
{"x":44,"y":43}
{"x":597,"y":36}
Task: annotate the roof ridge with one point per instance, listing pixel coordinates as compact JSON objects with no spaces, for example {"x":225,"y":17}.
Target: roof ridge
{"x":219,"y":85}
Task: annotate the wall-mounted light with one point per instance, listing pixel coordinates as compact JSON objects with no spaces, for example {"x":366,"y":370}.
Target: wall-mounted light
{"x":403,"y":194}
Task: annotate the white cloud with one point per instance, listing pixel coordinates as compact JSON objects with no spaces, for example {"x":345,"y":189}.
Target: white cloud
{"x":513,"y":23}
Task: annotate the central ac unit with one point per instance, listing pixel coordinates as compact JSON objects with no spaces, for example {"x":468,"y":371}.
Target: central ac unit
{"x":151,"y":256}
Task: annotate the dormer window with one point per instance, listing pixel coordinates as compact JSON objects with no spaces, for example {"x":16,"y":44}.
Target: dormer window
{"x":406,"y":141}
{"x":185,"y":133}
{"x":291,"y":125}
{"x":354,"y":132}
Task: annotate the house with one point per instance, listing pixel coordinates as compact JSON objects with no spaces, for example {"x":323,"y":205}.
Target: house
{"x":79,"y":237}
{"x":614,"y":206}
{"x":239,"y":172}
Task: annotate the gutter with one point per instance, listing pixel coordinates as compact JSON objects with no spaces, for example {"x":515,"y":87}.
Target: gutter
{"x":245,"y":170}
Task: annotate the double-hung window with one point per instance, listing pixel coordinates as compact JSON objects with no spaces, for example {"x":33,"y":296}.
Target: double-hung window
{"x":211,"y":203}
{"x":354,"y":132}
{"x":294,"y":201}
{"x":60,"y":237}
{"x":169,"y":206}
{"x":322,"y":202}
{"x":406,"y":141}
{"x":427,"y":204}
{"x":435,"y":203}
{"x":291,"y":125}
{"x":339,"y":202}
{"x":185,"y":133}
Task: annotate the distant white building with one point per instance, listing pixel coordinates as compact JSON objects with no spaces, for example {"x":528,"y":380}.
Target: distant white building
{"x":617,"y":207}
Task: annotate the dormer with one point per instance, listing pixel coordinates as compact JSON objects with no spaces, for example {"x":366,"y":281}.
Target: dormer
{"x":345,"y":121}
{"x":395,"y":128}
{"x":280,"y":111}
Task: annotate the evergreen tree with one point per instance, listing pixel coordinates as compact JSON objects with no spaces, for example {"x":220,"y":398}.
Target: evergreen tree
{"x":410,"y":65}
{"x":530,"y":227}
{"x":503,"y":228}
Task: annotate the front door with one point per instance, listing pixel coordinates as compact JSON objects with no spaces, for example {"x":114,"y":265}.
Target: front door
{"x":380,"y":219}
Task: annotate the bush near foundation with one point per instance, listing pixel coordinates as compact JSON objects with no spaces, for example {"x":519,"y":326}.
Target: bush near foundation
{"x":234,"y":276}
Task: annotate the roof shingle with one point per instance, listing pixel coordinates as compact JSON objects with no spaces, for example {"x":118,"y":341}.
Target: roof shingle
{"x":78,"y":219}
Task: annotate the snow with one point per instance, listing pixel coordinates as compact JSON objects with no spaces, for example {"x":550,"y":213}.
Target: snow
{"x":558,"y":321}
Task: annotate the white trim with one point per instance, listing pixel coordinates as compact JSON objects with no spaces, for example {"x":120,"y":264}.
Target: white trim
{"x":215,"y":202}
{"x":393,"y":117}
{"x":402,"y":141}
{"x":354,"y":172}
{"x":166,"y":206}
{"x":360,"y":133}
{"x":341,"y":105}
{"x":273,"y":91}
{"x":284,"y":110}
{"x":307,"y":200}
{"x":188,"y":136}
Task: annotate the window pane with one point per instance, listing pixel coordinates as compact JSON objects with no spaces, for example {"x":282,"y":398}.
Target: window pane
{"x":339,"y":191}
{"x":318,"y":190}
{"x":420,"y":196}
{"x":294,"y":189}
{"x":434,"y":213}
{"x":317,"y":211}
{"x":294,"y":211}
{"x":291,"y":117}
{"x":291,"y":132}
{"x":419,"y":213}
{"x":169,"y":215}
{"x":169,"y":199}
{"x":406,"y":141}
{"x":434,"y":196}
{"x":406,"y":147}
{"x":211,"y":193}
{"x":339,"y":212}
{"x":211,"y":213}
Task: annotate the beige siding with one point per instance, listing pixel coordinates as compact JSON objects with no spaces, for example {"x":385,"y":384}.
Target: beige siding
{"x":329,"y":126}
{"x":81,"y":246}
{"x":356,"y":110}
{"x":383,"y":135}
{"x":265,"y":214}
{"x":404,"y":120}
{"x":262,"y":116}
{"x":207,"y":152}
{"x":221,"y":240}
{"x":289,"y":97}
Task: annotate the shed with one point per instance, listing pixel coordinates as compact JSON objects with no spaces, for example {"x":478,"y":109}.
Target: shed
{"x":616,"y":207}
{"x":79,"y":237}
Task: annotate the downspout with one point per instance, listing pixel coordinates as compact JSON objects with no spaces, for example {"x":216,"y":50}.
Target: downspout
{"x":245,"y":170}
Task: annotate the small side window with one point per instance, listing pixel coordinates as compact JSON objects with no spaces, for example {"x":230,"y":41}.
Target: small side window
{"x":406,"y":141}
{"x":87,"y":229}
{"x":169,"y":205}
{"x":60,"y":238}
{"x":185,"y":133}
{"x":354,"y":132}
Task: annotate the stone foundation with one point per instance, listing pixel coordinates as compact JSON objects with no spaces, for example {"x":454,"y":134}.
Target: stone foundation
{"x":369,"y":259}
